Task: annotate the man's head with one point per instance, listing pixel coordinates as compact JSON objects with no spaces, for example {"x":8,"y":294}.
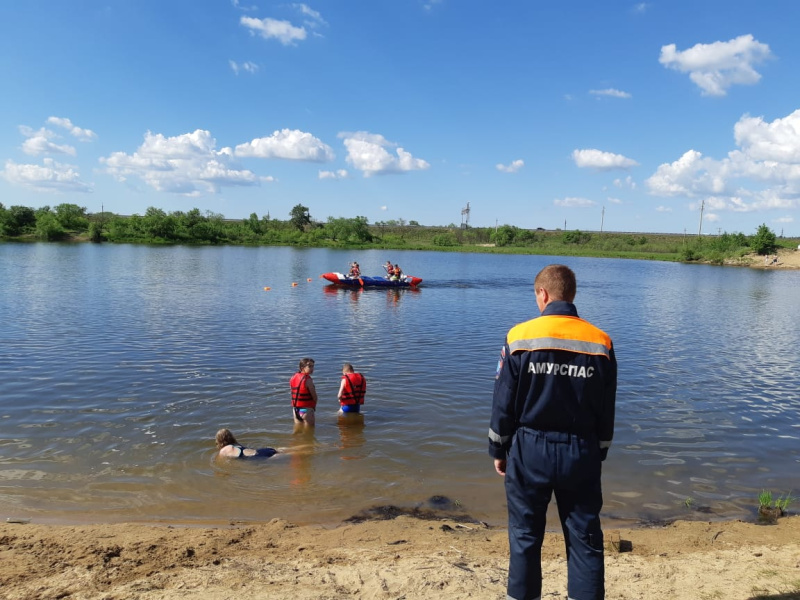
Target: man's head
{"x":554,"y":282}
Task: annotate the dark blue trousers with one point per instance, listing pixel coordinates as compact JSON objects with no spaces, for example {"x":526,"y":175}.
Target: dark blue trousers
{"x":539,"y":464}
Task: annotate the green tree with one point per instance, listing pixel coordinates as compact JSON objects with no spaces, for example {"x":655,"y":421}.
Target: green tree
{"x":299,"y":217}
{"x":504,"y":235}
{"x":17,"y":220}
{"x":254,"y":224}
{"x":48,"y":227}
{"x":763,"y":242}
{"x":355,"y":231}
{"x":95,"y":232}
{"x":72,"y":216}
{"x":157,"y":224}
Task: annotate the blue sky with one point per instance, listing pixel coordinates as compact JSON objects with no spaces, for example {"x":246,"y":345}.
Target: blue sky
{"x":578,"y":114}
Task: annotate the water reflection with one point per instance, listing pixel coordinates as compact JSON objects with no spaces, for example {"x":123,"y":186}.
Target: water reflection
{"x":351,"y":435}
{"x":301,"y":453}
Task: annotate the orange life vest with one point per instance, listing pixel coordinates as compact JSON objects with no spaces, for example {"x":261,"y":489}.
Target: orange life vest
{"x":355,"y":388}
{"x":301,"y":397}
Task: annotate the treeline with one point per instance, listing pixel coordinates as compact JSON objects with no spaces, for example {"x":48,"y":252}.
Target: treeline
{"x":72,"y":222}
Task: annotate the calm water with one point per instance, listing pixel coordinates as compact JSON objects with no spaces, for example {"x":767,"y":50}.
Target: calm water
{"x":119,"y":363}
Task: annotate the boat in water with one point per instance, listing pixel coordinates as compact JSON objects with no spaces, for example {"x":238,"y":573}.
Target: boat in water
{"x":363,"y":281}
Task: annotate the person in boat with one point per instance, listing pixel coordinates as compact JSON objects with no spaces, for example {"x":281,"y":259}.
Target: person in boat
{"x":355,"y":270}
{"x":352,"y":390}
{"x":304,"y":394}
{"x":397,"y":274}
{"x":389,"y":269}
{"x":228,"y":447}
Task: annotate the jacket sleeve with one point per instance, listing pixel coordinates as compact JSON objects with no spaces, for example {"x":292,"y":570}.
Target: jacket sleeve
{"x":503,"y":422}
{"x":606,"y":423}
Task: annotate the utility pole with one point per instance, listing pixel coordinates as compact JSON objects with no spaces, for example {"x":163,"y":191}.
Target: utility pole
{"x":702,"y":206}
{"x":602,"y":218}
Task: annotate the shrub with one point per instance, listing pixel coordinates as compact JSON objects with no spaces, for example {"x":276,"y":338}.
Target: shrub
{"x":764,"y":241}
{"x":48,"y":228}
{"x":576,"y":237}
{"x":445,"y":239}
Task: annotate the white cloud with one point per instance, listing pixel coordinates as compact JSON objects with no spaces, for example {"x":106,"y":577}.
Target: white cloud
{"x":368,"y":153}
{"x":511,"y":168}
{"x":628,"y":182}
{"x":610,"y":92}
{"x":604,"y":161}
{"x":716,"y":67}
{"x":247,"y":67}
{"x":237,"y":4}
{"x":39,"y":142}
{"x":314,"y":17}
{"x":84,"y":135}
{"x":763,"y":173}
{"x":691,"y":175}
{"x":50,"y":176}
{"x":290,"y":144}
{"x":283,"y":31}
{"x":187,"y":164}
{"x":384,"y":208}
{"x":338,"y":174}
{"x":786,"y":219}
{"x":614,"y":200}
{"x":664,"y":209}
{"x":569,"y":202}
{"x":778,"y":141}
{"x":641,"y":7}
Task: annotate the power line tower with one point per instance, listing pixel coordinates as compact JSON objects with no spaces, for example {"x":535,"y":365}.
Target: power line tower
{"x":465,"y":217}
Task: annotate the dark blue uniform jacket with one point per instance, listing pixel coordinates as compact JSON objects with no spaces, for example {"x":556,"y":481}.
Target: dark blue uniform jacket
{"x":556,"y":373}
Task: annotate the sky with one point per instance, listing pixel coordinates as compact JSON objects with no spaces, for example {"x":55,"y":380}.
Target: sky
{"x":670,"y":116}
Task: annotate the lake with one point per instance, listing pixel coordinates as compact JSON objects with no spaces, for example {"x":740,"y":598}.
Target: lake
{"x":118,"y":363}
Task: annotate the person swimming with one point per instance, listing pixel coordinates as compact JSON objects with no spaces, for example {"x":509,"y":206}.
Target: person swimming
{"x":228,"y":447}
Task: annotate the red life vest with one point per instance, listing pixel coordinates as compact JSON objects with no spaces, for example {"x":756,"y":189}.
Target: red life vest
{"x":301,"y":397}
{"x":355,"y":387}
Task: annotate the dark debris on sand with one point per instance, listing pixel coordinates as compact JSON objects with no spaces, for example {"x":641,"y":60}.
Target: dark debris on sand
{"x":434,"y":508}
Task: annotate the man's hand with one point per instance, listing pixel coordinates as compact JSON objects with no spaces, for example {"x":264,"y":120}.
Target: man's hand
{"x":500,"y":466}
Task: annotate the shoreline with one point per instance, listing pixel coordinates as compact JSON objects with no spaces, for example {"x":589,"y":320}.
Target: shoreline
{"x":404,"y":557}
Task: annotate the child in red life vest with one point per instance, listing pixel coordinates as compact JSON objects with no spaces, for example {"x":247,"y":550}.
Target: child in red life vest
{"x":352,"y":390}
{"x":304,"y":394}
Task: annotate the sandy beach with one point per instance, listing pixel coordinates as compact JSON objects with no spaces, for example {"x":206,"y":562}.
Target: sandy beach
{"x":787,"y":259}
{"x":401,"y":558}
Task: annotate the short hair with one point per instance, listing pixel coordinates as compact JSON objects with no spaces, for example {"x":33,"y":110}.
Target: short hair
{"x":348,"y":367}
{"x":225,"y":438}
{"x":558,"y":280}
{"x":305,"y":362}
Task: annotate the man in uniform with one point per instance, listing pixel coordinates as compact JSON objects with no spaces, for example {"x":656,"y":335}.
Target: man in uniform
{"x":551,"y":426}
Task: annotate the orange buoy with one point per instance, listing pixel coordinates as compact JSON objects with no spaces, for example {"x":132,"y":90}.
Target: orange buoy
{"x":266,"y":289}
{"x":294,"y":284}
{"x":309,"y":279}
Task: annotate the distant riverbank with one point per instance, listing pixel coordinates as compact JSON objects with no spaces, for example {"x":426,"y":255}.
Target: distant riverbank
{"x":69,"y":222}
